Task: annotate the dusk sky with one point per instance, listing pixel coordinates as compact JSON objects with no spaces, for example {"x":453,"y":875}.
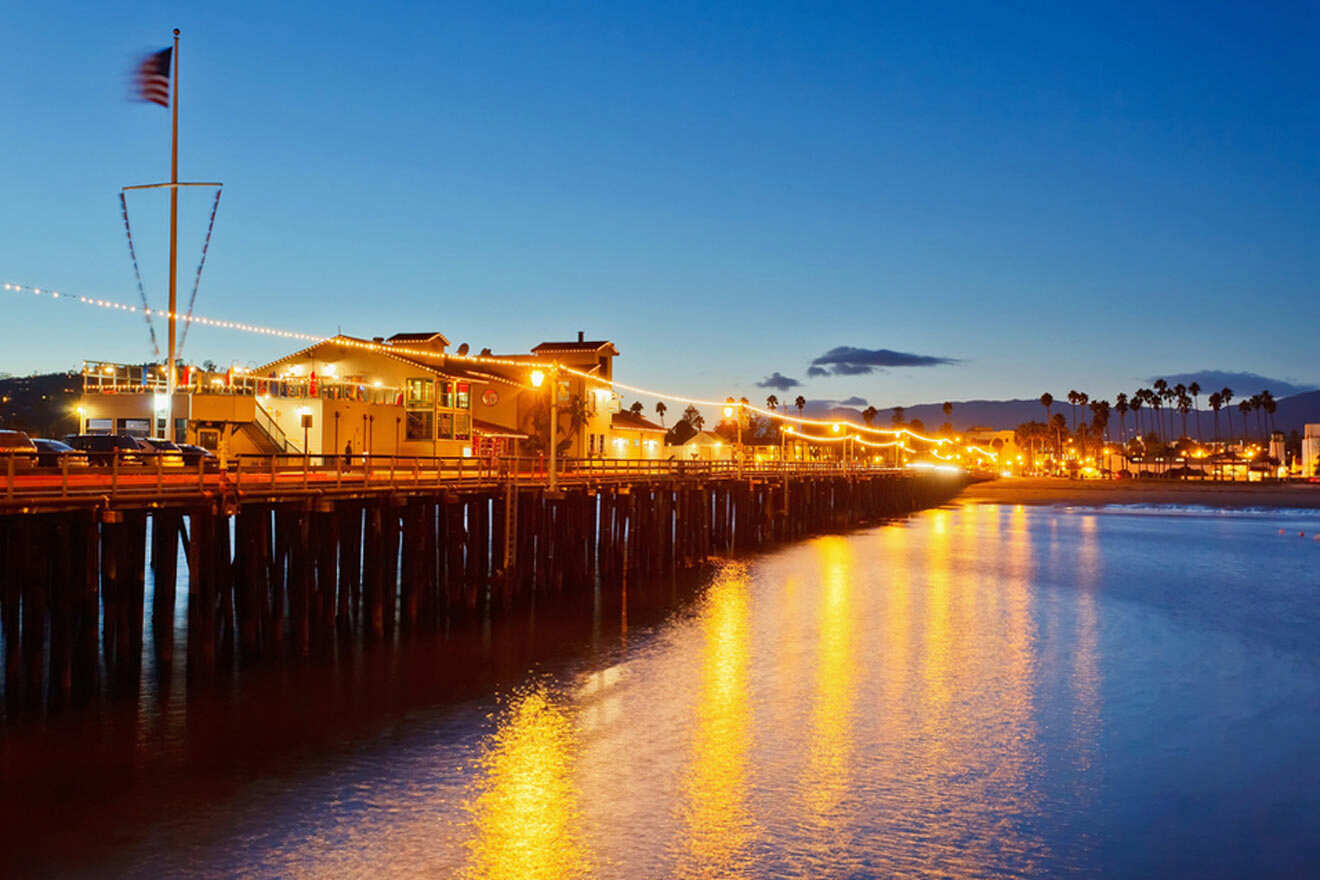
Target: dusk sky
{"x":1002,"y":200}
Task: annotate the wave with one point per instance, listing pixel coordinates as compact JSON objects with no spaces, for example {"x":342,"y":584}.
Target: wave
{"x":1199,"y":510}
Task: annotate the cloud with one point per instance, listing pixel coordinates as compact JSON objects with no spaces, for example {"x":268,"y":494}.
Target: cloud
{"x":778,"y":381}
{"x":845,"y":360}
{"x":1243,"y":384}
{"x":853,"y":401}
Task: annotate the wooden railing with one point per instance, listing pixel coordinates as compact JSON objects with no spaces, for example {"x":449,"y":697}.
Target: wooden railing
{"x":145,"y":476}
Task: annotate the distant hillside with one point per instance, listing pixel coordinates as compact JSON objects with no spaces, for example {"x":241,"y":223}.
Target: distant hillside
{"x":41,"y":405}
{"x":1298,"y":410}
{"x":1292,"y":414}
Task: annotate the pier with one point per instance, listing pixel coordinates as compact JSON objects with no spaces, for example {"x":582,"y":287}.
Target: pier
{"x":282,"y":556}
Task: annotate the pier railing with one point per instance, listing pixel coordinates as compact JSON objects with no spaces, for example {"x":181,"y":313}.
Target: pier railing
{"x":147,"y":477}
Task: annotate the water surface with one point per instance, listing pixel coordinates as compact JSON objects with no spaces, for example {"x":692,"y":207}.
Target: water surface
{"x":979,"y":690}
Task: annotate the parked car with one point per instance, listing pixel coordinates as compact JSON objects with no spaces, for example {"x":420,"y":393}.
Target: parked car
{"x":56,"y":453}
{"x":101,"y":449}
{"x":17,"y":446}
{"x":166,"y":452}
{"x":193,"y":454}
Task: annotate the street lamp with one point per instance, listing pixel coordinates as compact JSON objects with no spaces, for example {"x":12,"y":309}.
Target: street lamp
{"x":538,"y":379}
{"x":306,"y":416}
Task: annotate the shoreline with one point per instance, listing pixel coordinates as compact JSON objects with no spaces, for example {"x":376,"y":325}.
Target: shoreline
{"x":1058,"y":490}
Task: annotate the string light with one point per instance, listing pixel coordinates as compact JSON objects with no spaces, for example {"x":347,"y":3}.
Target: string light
{"x":519,"y":363}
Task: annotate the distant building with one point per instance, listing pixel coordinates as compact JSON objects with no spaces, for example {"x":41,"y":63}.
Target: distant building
{"x":1311,"y":450}
{"x":701,"y":446}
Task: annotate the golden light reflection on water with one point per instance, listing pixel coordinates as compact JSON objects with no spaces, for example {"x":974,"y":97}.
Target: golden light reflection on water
{"x":525,"y":813}
{"x":718,"y":825}
{"x":831,"y":742}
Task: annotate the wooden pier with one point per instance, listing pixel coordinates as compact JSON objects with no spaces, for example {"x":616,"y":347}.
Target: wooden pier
{"x":292,"y":565}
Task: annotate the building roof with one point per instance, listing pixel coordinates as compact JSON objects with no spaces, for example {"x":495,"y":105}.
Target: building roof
{"x":414,"y":338}
{"x":588,"y":346}
{"x":436,"y":363}
{"x":626,"y":421}
{"x":702,"y":438}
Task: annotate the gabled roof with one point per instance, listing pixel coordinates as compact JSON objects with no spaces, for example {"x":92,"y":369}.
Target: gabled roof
{"x":702,"y":438}
{"x":414,"y":338}
{"x":587,"y":347}
{"x":626,"y":421}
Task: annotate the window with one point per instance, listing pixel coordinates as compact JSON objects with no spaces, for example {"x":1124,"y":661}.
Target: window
{"x":420,"y":393}
{"x":462,"y":425}
{"x":419,"y":424}
{"x":447,"y":395}
{"x":464,"y":396}
{"x":446,"y":426}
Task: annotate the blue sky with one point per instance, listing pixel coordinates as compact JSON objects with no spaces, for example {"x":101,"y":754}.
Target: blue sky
{"x":1046,"y":196}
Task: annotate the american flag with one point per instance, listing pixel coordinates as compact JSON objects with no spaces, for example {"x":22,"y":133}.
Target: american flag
{"x":153,"y":78}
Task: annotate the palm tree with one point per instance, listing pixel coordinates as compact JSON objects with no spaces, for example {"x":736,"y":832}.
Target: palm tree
{"x":1121,"y":407}
{"x":1184,"y":406}
{"x":1195,"y":389}
{"x":637,"y":408}
{"x":897,"y":418}
{"x":1268,"y":402}
{"x":869,"y":414}
{"x":1155,"y":406}
{"x":1215,"y":403}
{"x":1244,"y":407}
{"x":1226,"y":397}
{"x":948,"y":410}
{"x":1138,"y":400}
{"x":660,"y":410}
{"x":1073,"y":397}
{"x":771,"y":402}
{"x":1047,"y":400}
{"x":1060,"y":424}
{"x":800,"y":403}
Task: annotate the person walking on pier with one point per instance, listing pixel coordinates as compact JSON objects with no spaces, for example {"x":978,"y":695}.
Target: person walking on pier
{"x":348,"y":455}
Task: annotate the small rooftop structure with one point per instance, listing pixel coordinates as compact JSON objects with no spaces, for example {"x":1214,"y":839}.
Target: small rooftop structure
{"x":581,"y":346}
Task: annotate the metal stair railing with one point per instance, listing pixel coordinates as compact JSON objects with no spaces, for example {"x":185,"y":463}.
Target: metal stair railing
{"x":266,"y":423}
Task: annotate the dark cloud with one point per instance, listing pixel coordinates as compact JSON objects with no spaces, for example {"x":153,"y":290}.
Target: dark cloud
{"x":845,"y":360}
{"x":778,"y":381}
{"x":1243,"y":384}
{"x":853,"y":401}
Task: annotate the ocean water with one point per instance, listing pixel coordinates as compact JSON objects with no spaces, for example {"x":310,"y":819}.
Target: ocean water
{"x":977,"y":690}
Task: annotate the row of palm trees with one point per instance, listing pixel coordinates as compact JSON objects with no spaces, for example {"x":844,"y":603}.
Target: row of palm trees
{"x":1162,"y":401}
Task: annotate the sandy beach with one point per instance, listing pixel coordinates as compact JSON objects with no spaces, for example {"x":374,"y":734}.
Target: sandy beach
{"x":1053,"y":490}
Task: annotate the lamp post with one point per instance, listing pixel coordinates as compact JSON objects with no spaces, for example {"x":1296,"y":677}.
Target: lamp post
{"x":306,"y":415}
{"x":538,"y":379}
{"x":734,"y":411}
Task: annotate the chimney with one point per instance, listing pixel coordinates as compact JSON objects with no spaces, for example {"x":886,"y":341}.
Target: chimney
{"x":579,"y":336}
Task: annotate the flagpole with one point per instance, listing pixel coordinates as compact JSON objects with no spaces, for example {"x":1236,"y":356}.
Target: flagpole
{"x":174,"y":235}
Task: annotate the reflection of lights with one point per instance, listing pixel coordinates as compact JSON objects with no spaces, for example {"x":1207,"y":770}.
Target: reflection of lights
{"x":719,"y":824}
{"x":526,"y":808}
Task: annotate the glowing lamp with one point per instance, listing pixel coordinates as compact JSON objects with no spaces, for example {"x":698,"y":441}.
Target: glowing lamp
{"x":537,"y":378}
{"x":728,"y":412}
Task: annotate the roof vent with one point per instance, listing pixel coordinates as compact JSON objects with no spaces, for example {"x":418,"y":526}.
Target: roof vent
{"x":579,"y":336}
